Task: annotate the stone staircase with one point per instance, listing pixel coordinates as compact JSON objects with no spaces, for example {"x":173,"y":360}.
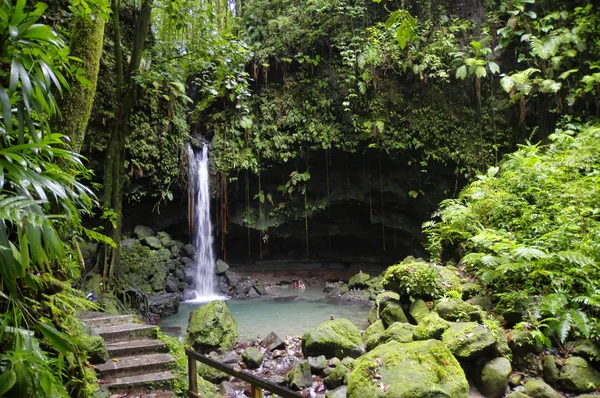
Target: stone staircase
{"x":138,"y":361}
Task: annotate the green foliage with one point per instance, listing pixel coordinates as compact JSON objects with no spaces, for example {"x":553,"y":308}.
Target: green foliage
{"x":41,"y":204}
{"x":531,"y":227}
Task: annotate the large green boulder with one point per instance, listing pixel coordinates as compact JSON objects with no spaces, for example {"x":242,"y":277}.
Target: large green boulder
{"x":587,"y":349}
{"x":537,"y":388}
{"x":494,"y":377}
{"x":550,"y":370}
{"x":577,"y":375}
{"x":468,"y":339}
{"x":454,"y":309}
{"x":408,"y":370}
{"x":212,"y":327}
{"x":359,"y":281}
{"x":398,"y":331}
{"x":391,"y":311}
{"x":335,"y":338}
{"x":418,"y":310}
{"x":431,"y":327}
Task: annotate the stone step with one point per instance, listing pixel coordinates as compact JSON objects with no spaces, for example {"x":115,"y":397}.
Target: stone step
{"x":135,"y":347}
{"x":142,"y":382}
{"x":125,"y":332}
{"x":134,"y":365}
{"x":104,"y":320}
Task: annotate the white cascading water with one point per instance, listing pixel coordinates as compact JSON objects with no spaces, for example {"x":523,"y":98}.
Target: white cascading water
{"x":202,"y":227}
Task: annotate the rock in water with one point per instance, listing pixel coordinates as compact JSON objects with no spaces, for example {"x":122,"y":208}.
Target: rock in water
{"x":577,"y":375}
{"x":494,"y":377}
{"x":336,"y":338}
{"x":212,"y":327}
{"x":300,"y":376}
{"x":468,"y":339}
{"x":417,"y":369}
{"x":252,"y":357}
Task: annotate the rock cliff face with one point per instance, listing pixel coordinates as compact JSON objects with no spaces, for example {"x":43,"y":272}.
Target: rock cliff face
{"x":362,"y":207}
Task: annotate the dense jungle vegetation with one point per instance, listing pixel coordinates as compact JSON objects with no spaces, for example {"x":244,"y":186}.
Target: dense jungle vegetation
{"x":98,"y":99}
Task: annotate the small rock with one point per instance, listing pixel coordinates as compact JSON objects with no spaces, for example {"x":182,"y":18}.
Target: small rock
{"x":336,"y":378}
{"x":164,"y":305}
{"x":188,"y":294}
{"x":226,"y":388}
{"x":221,"y":267}
{"x":391,"y":311}
{"x":374,"y":329}
{"x":549,"y":370}
{"x":339,"y":392}
{"x":188,"y":250}
{"x":317,"y":364}
{"x":453,"y":309}
{"x":515,"y":380}
{"x":494,"y":377}
{"x":252,"y":357}
{"x":277,"y":379}
{"x":273,"y":342}
{"x":517,"y":394}
{"x":171,"y":286}
{"x":347,"y":362}
{"x":143,"y":231}
{"x":230,"y":357}
{"x":333,"y":362}
{"x":418,"y":310}
{"x":577,"y":375}
{"x":537,"y":388}
{"x":300,"y":376}
{"x":152,"y":242}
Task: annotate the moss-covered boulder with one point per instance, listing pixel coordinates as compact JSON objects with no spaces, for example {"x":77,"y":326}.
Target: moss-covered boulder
{"x":494,"y":377}
{"x":145,"y":268}
{"x":577,"y":375}
{"x":337,"y":377}
{"x":335,"y":338}
{"x":317,"y":364}
{"x":152,"y":242}
{"x":431,"y":327}
{"x":143,"y":231}
{"x":537,"y":388}
{"x":468,"y":339}
{"x":211,"y":327}
{"x":454,"y":309}
{"x":373,"y":314}
{"x":409,"y":370}
{"x":375,"y":328}
{"x":209,"y":373}
{"x":417,"y":278}
{"x":587,"y":349}
{"x":252,"y":357}
{"x":398,"y":331}
{"x":359,"y":281}
{"x":206,"y":388}
{"x":300,"y":376}
{"x":418,"y":310}
{"x":391,"y":311}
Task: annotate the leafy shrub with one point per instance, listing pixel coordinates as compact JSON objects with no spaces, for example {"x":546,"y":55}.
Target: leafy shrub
{"x":531,"y":226}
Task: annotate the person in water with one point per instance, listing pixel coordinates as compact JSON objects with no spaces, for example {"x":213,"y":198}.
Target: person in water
{"x":299,"y":284}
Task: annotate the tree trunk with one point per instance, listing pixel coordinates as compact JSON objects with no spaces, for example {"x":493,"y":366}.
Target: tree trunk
{"x":115,"y":154}
{"x":86,"y":44}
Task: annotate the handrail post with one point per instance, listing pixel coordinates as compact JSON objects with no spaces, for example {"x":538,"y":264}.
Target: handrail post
{"x":193,"y":374}
{"x":256,"y":392}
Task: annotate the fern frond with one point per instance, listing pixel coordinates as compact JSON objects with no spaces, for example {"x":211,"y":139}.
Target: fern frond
{"x":528,"y":253}
{"x":575,"y":257}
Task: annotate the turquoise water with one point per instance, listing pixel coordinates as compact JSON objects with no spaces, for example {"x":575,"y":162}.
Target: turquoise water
{"x":280,"y":312}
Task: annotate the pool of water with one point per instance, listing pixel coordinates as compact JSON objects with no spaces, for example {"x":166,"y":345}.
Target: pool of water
{"x":285,"y":311}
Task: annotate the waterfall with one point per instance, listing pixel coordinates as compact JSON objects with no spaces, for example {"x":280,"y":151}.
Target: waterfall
{"x":202,"y":226}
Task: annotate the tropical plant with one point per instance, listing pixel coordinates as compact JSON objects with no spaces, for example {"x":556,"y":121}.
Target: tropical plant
{"x":41,"y":202}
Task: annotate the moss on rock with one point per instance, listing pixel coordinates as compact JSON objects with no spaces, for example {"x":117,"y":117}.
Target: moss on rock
{"x":212,"y":327}
{"x":431,"y":327}
{"x":400,"y":332}
{"x":374,"y":329}
{"x":384,"y":372}
{"x":454,"y":309}
{"x":335,"y":338}
{"x":577,"y":375}
{"x":418,"y":310}
{"x":468,"y":339}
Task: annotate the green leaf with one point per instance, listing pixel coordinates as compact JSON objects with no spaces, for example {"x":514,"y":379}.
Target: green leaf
{"x":480,"y":71}
{"x":60,"y":341}
{"x":7,"y":380}
{"x":461,"y":72}
{"x":494,"y":68}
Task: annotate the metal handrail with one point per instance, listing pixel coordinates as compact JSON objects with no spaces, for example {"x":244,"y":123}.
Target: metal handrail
{"x":256,"y":383}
